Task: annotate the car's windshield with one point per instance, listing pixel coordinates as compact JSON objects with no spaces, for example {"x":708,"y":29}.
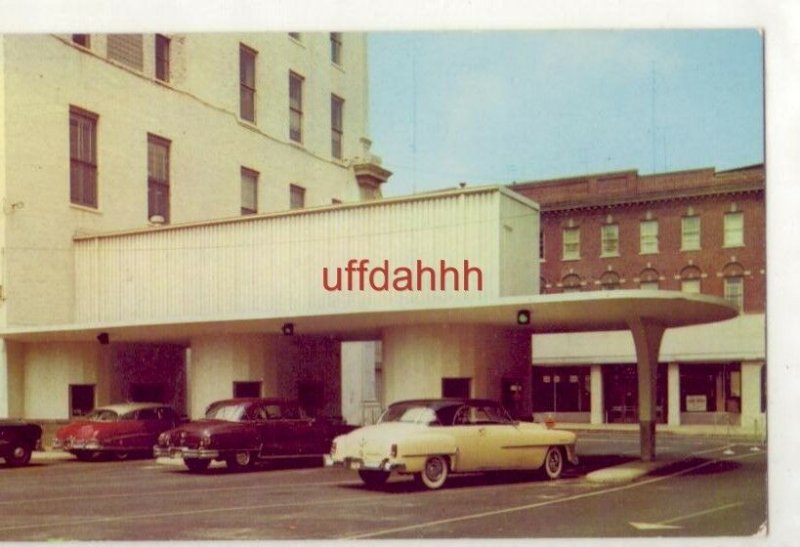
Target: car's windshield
{"x":102,"y":415}
{"x":409,"y":414}
{"x":229,"y":413}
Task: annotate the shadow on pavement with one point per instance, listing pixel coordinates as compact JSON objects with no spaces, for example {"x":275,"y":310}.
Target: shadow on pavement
{"x":712,"y":467}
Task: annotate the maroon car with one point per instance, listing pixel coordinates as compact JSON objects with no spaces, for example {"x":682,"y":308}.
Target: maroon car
{"x":116,"y":430}
{"x":243,"y":431}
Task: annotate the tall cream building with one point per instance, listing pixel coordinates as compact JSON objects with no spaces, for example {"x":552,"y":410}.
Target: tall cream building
{"x":122,"y":133}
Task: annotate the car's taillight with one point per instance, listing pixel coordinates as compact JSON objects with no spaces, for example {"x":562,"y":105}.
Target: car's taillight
{"x":393,"y":451}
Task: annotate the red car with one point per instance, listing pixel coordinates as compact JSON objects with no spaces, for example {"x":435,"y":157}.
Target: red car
{"x":242,"y":431}
{"x":116,"y":430}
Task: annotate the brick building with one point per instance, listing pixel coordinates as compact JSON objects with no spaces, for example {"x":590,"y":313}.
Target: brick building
{"x":698,"y":231}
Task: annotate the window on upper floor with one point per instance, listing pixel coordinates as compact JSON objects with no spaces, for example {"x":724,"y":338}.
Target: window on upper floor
{"x":690,"y":233}
{"x":162,"y":57}
{"x":541,"y":245}
{"x":690,"y":277}
{"x":158,"y":179}
{"x":571,"y":244}
{"x":295,"y":107}
{"x":82,"y":40}
{"x":648,"y":285}
{"x":127,"y":49}
{"x":247,"y":83}
{"x":733,"y":229}
{"x":610,"y":281}
{"x":734,"y":290}
{"x":83,"y":157}
{"x":609,"y":240}
{"x":249,"y":191}
{"x":336,"y":47}
{"x":337,"y":126}
{"x":648,"y":237}
{"x":297,"y":196}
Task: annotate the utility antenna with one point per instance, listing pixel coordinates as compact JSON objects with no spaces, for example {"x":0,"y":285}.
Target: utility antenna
{"x":653,"y":113}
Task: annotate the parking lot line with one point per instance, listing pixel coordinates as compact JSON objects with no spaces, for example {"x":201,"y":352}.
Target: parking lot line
{"x":528,"y":507}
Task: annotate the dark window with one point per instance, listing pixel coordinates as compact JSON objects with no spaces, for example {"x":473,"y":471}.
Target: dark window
{"x":158,"y":178}
{"x":297,"y":197}
{"x":162,"y":58}
{"x":295,"y":107}
{"x":337,"y":125}
{"x":247,"y":83}
{"x":82,"y":40}
{"x":336,"y":47}
{"x":147,"y":393}
{"x":81,"y":399}
{"x":83,"y":157}
{"x":310,"y":395}
{"x":561,"y":389}
{"x":456,"y":387}
{"x":247,"y":389}
{"x":249,"y":191}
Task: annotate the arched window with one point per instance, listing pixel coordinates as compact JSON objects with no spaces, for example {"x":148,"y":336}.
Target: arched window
{"x":733,"y":284}
{"x":609,"y":281}
{"x":690,"y":279}
{"x":571,"y":283}
{"x":648,"y":279}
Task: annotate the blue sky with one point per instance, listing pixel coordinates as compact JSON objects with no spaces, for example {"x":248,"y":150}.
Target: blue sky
{"x":495,"y":107}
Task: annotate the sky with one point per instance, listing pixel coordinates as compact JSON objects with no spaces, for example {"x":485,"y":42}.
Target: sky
{"x":496,"y":107}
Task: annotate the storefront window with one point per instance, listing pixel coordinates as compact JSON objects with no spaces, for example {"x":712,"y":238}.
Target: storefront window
{"x":711,"y":388}
{"x":562,"y":389}
{"x":621,"y":393}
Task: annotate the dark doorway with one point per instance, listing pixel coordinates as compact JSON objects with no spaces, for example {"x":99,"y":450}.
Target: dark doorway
{"x":310,"y":397}
{"x":81,"y":399}
{"x":456,"y":387}
{"x":247,"y":389}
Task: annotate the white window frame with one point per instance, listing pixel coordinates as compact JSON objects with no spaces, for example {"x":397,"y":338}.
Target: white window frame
{"x":571,"y":246}
{"x":609,"y":240}
{"x":734,"y":290}
{"x":690,"y":233}
{"x":733,"y":229}
{"x":648,"y":237}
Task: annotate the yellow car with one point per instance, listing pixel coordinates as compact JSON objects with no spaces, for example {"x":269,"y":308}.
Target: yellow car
{"x":431,"y":438}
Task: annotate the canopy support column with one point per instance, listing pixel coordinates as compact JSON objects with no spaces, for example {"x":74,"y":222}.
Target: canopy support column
{"x":647,"y":335}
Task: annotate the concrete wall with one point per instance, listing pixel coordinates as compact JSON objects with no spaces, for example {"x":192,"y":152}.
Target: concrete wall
{"x":51,"y":367}
{"x":43,"y":75}
{"x":416,"y":358}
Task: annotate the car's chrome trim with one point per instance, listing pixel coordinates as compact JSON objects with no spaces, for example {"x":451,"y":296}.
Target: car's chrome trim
{"x":184,"y":452}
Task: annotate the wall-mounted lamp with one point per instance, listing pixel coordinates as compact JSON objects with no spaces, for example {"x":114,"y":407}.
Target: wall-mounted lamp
{"x":287,"y":329}
{"x":523,"y":317}
{"x":103,"y":338}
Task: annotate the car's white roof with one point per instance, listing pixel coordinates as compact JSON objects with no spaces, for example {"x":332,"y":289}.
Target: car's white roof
{"x":124,"y":408}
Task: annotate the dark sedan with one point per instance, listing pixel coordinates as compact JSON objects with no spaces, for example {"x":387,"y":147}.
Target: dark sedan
{"x":242,"y":431}
{"x":17,"y":440}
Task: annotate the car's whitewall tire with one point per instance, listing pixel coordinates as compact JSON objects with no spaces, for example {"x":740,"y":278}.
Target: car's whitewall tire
{"x":553,"y":464}
{"x":435,"y":472}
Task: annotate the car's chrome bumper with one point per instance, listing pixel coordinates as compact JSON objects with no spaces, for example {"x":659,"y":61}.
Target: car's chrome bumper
{"x":358,"y":463}
{"x":184,"y":452}
{"x":77,"y":444}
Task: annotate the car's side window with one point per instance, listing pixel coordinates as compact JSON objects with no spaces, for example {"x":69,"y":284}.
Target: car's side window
{"x":146,"y":414}
{"x":273,"y":412}
{"x":462,"y":416}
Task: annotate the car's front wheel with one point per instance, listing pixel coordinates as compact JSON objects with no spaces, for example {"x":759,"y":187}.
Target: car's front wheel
{"x":434,"y":474}
{"x":373,"y":479}
{"x":553,"y":464}
{"x":19,"y":455}
{"x":196,"y":465}
{"x":239,"y":461}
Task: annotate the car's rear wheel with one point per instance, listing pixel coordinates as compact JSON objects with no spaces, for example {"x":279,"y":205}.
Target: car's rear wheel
{"x":196,"y":465}
{"x":19,"y":455}
{"x":239,"y":461}
{"x":373,"y":479}
{"x":553,"y":464}
{"x":434,"y":474}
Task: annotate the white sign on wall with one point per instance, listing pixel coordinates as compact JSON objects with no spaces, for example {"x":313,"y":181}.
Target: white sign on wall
{"x":696,"y":403}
